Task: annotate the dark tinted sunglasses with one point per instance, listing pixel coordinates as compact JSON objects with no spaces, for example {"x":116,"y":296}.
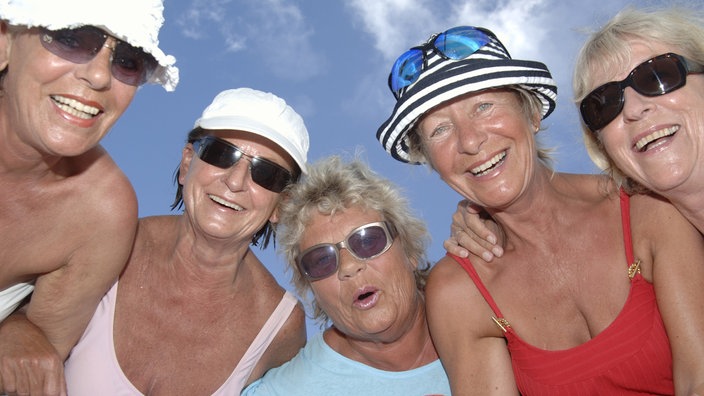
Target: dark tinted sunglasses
{"x":223,"y":154}
{"x":657,"y":76}
{"x":364,"y":243}
{"x":128,"y":64}
{"x":456,"y":43}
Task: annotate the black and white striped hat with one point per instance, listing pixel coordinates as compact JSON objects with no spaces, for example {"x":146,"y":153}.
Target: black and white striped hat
{"x":445,"y":79}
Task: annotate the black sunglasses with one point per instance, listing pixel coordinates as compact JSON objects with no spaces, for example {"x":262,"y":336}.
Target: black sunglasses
{"x":654,"y":77}
{"x":128,"y":64}
{"x":364,"y":243}
{"x":223,"y":154}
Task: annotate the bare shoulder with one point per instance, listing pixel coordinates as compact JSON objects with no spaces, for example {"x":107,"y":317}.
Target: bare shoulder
{"x":447,"y":277}
{"x":454,"y":301}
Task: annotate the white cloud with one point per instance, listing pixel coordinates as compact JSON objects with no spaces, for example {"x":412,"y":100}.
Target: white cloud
{"x":274,"y":31}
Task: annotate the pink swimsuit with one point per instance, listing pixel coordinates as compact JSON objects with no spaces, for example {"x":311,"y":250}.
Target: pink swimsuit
{"x":92,"y":368}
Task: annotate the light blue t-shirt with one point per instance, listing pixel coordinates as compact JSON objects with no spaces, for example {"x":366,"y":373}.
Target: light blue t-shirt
{"x":318,"y":370}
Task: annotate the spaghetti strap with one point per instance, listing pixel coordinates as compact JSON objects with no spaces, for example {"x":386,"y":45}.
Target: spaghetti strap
{"x":626,"y":226}
{"x":467,"y":265}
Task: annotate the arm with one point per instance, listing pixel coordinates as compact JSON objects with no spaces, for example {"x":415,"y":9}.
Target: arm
{"x":677,"y":249}
{"x":472,"y":349}
{"x":473,"y":230}
{"x":64,"y":300}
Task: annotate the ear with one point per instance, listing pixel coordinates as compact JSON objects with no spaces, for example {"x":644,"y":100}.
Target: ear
{"x":5,"y":44}
{"x":186,"y":157}
{"x":536,"y":123}
{"x":274,"y":218}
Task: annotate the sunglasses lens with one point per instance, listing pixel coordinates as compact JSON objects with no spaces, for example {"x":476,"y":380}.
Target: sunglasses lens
{"x":659,"y":76}
{"x":217,"y":152}
{"x":602,"y":106}
{"x":368,"y":242}
{"x":75,"y":45}
{"x":460,"y":42}
{"x":320,"y":262}
{"x":131,"y":65}
{"x":406,"y":69}
{"x":270,"y":175}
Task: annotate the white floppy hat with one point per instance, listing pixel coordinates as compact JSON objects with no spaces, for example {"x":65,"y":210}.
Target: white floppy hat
{"x":443,"y":79}
{"x":136,"y":22}
{"x":261,"y":113}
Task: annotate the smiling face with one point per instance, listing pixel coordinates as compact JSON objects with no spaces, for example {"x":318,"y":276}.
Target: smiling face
{"x":658,"y":141}
{"x":482,"y":145}
{"x":53,"y":105}
{"x":225,"y":203}
{"x":375,"y":299}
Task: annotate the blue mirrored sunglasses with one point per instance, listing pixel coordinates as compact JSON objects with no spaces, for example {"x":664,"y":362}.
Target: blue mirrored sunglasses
{"x":456,"y":43}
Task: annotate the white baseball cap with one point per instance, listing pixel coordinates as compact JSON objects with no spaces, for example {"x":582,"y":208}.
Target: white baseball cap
{"x":136,"y":22}
{"x":262,"y":113}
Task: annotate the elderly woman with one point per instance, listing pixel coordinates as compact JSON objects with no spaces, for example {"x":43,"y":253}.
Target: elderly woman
{"x":195,"y":312}
{"x":640,"y":84}
{"x":68,"y":215}
{"x":350,"y":239}
{"x":561,"y":312}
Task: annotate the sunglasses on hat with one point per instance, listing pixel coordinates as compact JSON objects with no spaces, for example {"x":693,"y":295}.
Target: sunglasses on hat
{"x":128,"y":64}
{"x":364,"y":243}
{"x":656,"y":76}
{"x":456,"y":43}
{"x":223,"y":154}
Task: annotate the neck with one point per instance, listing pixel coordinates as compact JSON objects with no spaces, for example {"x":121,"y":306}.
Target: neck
{"x":412,"y":349}
{"x":691,"y":208}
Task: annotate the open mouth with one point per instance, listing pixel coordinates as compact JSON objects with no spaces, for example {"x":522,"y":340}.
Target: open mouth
{"x":225,"y":203}
{"x":647,"y":141}
{"x":75,"y":108}
{"x":489,"y":165}
{"x":366,"y":297}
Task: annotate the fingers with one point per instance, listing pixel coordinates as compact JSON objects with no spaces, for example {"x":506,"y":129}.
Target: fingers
{"x":471,"y":231}
{"x":33,"y":377}
{"x":453,"y":247}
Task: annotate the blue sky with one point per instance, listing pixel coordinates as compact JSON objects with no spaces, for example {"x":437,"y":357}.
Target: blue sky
{"x":330,"y":61}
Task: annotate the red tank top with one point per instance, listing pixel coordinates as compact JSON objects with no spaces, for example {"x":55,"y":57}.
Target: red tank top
{"x":630,"y":357}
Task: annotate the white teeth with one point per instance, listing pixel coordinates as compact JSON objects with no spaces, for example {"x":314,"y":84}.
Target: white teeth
{"x":654,"y":136}
{"x":481,"y":169}
{"x":225,"y":203}
{"x":74,"y":107}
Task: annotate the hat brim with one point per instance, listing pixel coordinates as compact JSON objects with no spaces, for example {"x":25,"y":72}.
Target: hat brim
{"x":457,"y":79}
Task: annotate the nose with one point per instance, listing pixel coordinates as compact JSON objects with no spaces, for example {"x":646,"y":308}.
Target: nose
{"x":469,"y":138}
{"x":236,"y":176}
{"x":97,"y":72}
{"x":349,"y":265}
{"x":635,"y":105}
